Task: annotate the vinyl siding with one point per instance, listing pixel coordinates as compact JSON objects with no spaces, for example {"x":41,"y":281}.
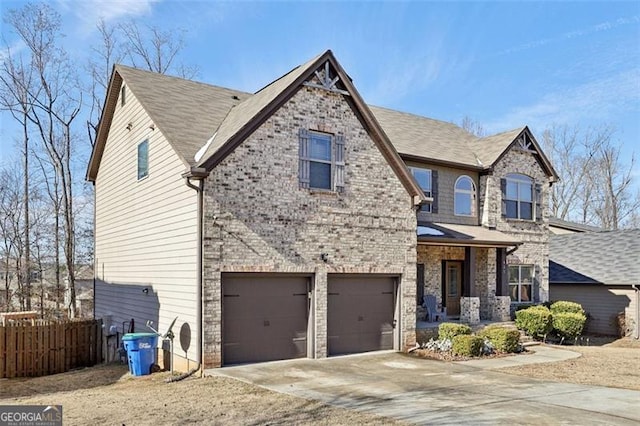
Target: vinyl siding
{"x":602,"y":303}
{"x":447,"y":177}
{"x":145,"y":230}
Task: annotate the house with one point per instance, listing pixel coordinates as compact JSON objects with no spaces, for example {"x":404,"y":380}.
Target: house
{"x":299,"y":221}
{"x":600,"y":271}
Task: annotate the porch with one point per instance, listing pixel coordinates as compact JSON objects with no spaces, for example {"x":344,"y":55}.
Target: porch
{"x":463,"y":269}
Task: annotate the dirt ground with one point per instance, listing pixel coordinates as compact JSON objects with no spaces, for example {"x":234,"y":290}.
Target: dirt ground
{"x":606,"y":362}
{"x":107,"y":394}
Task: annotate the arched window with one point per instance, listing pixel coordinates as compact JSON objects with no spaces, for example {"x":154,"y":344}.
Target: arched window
{"x":518,"y":196}
{"x":465,"y":197}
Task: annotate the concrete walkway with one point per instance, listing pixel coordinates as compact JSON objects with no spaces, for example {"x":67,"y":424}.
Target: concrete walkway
{"x":541,"y":354}
{"x":423,"y":391}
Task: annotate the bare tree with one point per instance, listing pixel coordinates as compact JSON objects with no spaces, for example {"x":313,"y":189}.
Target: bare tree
{"x":103,"y":57}
{"x":595,"y":185}
{"x":54,"y":107}
{"x":472,"y":126}
{"x":155,"y":49}
{"x":16,"y":82}
{"x":615,"y":203}
{"x":11,"y":226}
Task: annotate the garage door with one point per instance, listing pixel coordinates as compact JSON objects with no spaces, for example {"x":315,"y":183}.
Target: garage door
{"x":360,"y":314}
{"x":264,"y":318}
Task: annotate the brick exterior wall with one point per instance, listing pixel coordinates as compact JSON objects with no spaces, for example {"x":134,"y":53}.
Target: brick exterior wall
{"x":257,"y":219}
{"x":432,"y":257}
{"x":534,"y":235}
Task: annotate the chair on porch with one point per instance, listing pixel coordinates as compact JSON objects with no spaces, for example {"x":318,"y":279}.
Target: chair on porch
{"x":434,"y":314}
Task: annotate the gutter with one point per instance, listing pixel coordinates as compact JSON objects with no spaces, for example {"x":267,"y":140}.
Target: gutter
{"x":199,"y":175}
{"x":637,"y":320}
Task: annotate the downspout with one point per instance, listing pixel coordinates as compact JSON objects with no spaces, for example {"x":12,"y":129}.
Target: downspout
{"x":199,"y":175}
{"x":637,"y":336}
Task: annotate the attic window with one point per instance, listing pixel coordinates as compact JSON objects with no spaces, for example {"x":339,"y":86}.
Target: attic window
{"x":123,"y":95}
{"x":143,"y":159}
{"x":321,"y":160}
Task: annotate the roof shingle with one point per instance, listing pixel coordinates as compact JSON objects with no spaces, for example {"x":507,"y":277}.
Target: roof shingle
{"x":608,"y":257}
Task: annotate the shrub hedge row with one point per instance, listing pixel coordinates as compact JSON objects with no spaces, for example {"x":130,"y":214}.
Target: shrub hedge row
{"x":502,"y":339}
{"x":466,"y":345}
{"x":448,"y":330}
{"x":566,"y":318}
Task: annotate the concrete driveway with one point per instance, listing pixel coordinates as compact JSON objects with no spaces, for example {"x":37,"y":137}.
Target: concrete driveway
{"x":433,"y":392}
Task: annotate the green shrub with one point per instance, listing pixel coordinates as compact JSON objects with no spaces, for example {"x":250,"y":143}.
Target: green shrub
{"x":536,"y":321}
{"x":466,"y":345}
{"x":569,"y":324}
{"x":502,"y":339}
{"x":448,"y":330}
{"x":563,"y":306}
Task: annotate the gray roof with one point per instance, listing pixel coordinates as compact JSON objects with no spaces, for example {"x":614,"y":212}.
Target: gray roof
{"x":608,"y":257}
{"x":467,"y":235}
{"x":187,"y":112}
{"x":425,"y":137}
{"x":490,"y":148}
{"x":572,"y":226}
{"x":244,"y":112}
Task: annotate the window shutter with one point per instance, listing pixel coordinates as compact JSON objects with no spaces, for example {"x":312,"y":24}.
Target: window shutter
{"x":434,"y":191}
{"x":303,"y":153}
{"x":338,"y":156}
{"x":503,"y":189}
{"x":538,"y":198}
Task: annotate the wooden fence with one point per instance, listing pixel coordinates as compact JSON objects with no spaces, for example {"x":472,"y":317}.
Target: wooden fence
{"x":30,"y":348}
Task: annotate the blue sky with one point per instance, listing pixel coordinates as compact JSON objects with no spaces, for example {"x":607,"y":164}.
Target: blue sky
{"x":504,"y":64}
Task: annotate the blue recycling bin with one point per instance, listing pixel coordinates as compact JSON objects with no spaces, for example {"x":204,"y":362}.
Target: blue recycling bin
{"x":141,"y":352}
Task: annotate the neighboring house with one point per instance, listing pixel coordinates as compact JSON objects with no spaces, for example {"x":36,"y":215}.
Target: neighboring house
{"x":561,"y":227}
{"x":599,"y":270}
{"x":282,"y":224}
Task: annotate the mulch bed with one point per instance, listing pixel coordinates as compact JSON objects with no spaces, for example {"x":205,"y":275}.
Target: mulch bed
{"x":448,"y":356}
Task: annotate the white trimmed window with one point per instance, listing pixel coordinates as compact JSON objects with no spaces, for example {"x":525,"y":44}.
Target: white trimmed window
{"x":464,"y":201}
{"x":143,"y":159}
{"x":521,"y":283}
{"x":517,"y":193}
{"x":424,"y":177}
{"x":321,"y":160}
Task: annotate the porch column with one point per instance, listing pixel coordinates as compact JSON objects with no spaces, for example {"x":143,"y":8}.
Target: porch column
{"x":502,"y":285}
{"x":469,"y":272}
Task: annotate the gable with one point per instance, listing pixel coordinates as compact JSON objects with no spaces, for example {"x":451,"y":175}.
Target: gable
{"x":322,"y":72}
{"x":492,"y":149}
{"x":186,"y":112}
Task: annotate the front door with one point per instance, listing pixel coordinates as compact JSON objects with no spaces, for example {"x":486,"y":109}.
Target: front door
{"x":453,"y":290}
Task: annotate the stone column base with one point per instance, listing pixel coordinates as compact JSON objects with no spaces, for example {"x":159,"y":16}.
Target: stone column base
{"x":470,"y":310}
{"x":500,"y":308}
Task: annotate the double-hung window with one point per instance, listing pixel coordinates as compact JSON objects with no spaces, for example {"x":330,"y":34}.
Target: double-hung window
{"x":521,"y":283}
{"x":424,"y":177}
{"x":518,"y":197}
{"x":143,"y":159}
{"x":464,"y":200}
{"x":321,"y":161}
